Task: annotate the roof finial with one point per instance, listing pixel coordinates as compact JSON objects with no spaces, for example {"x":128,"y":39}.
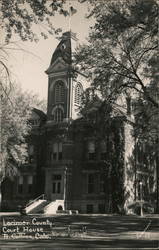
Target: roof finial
{"x":71,"y":12}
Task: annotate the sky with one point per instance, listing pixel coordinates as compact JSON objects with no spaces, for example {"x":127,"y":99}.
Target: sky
{"x":28,"y":66}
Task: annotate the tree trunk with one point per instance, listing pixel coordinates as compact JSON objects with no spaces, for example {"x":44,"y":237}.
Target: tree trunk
{"x":0,"y":196}
{"x":157,"y":178}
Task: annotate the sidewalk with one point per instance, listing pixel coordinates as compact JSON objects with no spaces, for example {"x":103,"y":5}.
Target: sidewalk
{"x":9,"y":213}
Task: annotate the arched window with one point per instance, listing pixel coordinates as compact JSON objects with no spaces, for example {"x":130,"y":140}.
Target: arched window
{"x":59,"y":92}
{"x":58,"y":115}
{"x":78,"y":93}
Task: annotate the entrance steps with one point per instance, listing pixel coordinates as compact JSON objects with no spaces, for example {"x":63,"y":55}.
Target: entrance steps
{"x":54,"y":206}
{"x":35,"y":206}
{"x":43,"y":206}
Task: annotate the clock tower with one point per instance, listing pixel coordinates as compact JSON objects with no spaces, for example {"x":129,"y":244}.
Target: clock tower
{"x":64,"y":92}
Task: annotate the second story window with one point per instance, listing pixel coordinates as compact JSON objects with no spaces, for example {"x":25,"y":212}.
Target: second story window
{"x":102,"y":183}
{"x":91,"y":150}
{"x":103,"y":154}
{"x":91,"y":183}
{"x":57,"y":151}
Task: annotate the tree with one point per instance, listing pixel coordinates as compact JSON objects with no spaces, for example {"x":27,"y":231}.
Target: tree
{"x":121,"y":60}
{"x":17,"y":19}
{"x":16,"y":107}
{"x":19,"y":16}
{"x":122,"y":47}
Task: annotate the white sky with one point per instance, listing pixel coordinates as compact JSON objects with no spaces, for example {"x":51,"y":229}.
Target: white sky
{"x":28,"y":68}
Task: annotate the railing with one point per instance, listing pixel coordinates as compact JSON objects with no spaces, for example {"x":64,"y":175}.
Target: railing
{"x":41,"y":197}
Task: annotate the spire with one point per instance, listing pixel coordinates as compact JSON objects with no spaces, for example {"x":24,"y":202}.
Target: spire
{"x":72,"y":11}
{"x":65,"y":48}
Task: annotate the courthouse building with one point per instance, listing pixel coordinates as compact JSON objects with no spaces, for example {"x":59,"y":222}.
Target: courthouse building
{"x":76,"y":162}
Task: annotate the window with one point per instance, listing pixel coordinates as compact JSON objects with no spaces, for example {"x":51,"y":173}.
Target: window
{"x":49,"y":151}
{"x":91,"y":180}
{"x":102,"y":183}
{"x":54,"y":151}
{"x":59,"y":92}
{"x":60,"y":151}
{"x":57,"y":151}
{"x":56,"y":185}
{"x":103,"y":150}
{"x":30,"y":183}
{"x":35,"y":122}
{"x":78,"y":94}
{"x":91,"y":150}
{"x":20,"y":184}
{"x":58,"y":115}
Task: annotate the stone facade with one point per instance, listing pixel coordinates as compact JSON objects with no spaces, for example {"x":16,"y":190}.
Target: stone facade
{"x":71,"y":161}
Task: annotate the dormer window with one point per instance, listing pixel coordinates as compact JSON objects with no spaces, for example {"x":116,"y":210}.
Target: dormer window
{"x":78,"y":94}
{"x":59,"y":92}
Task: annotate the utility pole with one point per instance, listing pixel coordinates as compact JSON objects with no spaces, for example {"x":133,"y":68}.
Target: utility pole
{"x":1,"y":170}
{"x":141,"y":198}
{"x":65,"y":189}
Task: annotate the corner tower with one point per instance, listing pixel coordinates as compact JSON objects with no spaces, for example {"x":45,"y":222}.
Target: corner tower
{"x":63,"y":92}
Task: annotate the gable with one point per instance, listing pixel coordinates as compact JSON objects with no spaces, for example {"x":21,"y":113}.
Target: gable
{"x":58,"y":66}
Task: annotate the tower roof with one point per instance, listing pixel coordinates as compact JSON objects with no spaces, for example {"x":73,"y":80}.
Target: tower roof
{"x":64,"y":48}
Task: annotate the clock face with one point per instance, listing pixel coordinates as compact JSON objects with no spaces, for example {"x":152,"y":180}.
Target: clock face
{"x":63,"y":46}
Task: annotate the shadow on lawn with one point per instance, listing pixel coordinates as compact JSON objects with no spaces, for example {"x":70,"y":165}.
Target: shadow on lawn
{"x":66,"y":243}
{"x":99,"y":226}
{"x":107,"y":224}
